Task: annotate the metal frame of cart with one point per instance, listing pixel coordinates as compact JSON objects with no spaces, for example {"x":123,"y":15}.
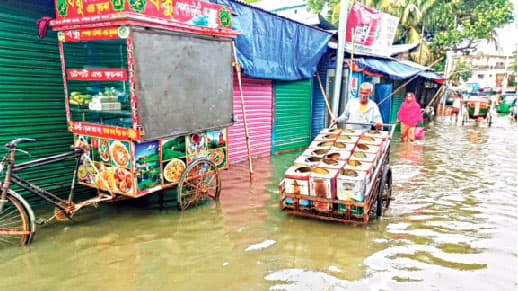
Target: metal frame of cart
{"x":379,"y":193}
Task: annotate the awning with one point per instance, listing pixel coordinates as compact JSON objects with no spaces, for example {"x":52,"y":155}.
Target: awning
{"x":275,"y":47}
{"x":391,"y":68}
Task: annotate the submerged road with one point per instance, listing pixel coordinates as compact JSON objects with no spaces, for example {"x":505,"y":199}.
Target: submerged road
{"x":453,"y":226}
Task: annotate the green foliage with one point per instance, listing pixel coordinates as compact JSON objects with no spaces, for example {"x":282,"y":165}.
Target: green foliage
{"x":463,"y":71}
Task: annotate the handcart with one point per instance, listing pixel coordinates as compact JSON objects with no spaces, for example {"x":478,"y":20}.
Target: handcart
{"x":477,"y":109}
{"x":349,"y":199}
{"x":148,"y":97}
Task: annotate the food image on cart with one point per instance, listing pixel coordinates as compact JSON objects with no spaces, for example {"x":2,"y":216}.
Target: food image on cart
{"x":101,"y":150}
{"x":342,"y":146}
{"x":119,"y":153}
{"x":172,"y":171}
{"x":147,"y":163}
{"x":197,"y":143}
{"x":218,"y":157}
{"x":173,"y":148}
{"x":123,"y":180}
{"x":216,"y":139}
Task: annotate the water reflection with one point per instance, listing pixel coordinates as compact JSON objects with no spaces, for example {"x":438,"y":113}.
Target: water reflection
{"x":452,"y":226}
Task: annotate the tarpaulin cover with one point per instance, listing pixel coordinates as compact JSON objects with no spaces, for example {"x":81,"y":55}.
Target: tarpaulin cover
{"x":273,"y":47}
{"x":392,"y":68}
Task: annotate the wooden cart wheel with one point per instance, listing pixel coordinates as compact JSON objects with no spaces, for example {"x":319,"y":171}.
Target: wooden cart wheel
{"x":199,"y":182}
{"x":385,"y":191}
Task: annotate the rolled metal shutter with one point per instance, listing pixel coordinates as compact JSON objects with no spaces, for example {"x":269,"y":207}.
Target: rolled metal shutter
{"x":318,"y":106}
{"x":292,"y":127}
{"x":258,"y":103}
{"x":31,"y":94}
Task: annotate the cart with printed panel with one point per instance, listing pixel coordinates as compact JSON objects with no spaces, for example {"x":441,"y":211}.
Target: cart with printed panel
{"x":148,"y":88}
{"x":343,"y":176}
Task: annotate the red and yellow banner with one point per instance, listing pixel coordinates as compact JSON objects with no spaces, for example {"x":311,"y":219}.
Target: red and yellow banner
{"x":101,"y":33}
{"x":189,"y":12}
{"x":107,"y":132}
{"x":97,"y":74}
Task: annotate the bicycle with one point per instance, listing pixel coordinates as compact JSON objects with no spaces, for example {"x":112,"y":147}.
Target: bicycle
{"x":17,"y":219}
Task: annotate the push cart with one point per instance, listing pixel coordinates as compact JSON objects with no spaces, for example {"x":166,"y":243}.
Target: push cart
{"x":148,"y":92}
{"x":375,"y":198}
{"x":477,"y":109}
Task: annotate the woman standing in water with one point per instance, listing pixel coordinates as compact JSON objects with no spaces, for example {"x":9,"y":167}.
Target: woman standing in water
{"x":409,"y":115}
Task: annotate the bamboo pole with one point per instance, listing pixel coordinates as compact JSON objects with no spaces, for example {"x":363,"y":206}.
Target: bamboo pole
{"x":325,"y":97}
{"x":243,"y":110}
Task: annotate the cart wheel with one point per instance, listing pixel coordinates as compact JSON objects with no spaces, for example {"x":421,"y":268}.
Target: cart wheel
{"x":199,"y":182}
{"x":489,"y":120}
{"x":385,"y":191}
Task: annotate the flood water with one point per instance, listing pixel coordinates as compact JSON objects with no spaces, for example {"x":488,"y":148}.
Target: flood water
{"x":452,"y":226}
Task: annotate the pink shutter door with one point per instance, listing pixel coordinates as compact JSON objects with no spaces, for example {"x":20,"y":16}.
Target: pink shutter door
{"x":258,"y":103}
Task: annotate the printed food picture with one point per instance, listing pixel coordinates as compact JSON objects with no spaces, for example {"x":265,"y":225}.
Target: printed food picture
{"x":147,"y":162}
{"x":218,"y":156}
{"x":216,"y":138}
{"x":119,"y":153}
{"x":197,"y":143}
{"x":174,"y":148}
{"x":173,"y":169}
{"x":103,"y":148}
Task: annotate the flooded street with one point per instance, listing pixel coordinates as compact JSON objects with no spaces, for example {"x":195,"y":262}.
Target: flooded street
{"x":453,"y":226}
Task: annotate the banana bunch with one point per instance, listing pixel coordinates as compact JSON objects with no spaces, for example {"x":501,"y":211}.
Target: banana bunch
{"x":76,"y":98}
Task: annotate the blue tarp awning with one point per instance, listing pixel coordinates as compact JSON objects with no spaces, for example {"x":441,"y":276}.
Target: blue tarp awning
{"x":393,"y":69}
{"x":274,"y":47}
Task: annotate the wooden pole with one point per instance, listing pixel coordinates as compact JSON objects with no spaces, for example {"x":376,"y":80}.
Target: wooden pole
{"x":243,"y":110}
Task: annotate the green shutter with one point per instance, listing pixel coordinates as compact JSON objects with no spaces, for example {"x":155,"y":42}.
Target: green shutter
{"x":31,"y":94}
{"x":292,"y":128}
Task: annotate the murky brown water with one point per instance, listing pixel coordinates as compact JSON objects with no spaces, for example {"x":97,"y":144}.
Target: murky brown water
{"x":451,"y":227}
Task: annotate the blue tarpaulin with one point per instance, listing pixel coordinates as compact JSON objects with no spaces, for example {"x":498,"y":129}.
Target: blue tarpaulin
{"x":274,"y":47}
{"x":393,"y":69}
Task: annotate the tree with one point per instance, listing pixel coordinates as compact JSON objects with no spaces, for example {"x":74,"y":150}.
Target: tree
{"x":462,"y":72}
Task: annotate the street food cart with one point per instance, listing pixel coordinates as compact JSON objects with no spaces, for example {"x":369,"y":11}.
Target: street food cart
{"x":148,"y":86}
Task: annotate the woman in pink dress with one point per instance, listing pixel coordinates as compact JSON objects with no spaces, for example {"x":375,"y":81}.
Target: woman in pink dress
{"x":409,"y":115}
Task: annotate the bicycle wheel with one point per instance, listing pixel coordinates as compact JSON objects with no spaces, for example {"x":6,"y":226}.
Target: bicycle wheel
{"x":14,"y":223}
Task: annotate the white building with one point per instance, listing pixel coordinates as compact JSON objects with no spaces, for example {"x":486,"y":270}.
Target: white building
{"x":489,"y":71}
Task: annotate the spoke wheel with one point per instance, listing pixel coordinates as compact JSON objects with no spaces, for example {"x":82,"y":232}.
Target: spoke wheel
{"x":199,"y":182}
{"x":14,"y":223}
{"x":385,"y":192}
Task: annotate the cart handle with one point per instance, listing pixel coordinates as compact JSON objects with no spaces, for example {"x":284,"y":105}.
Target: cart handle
{"x":392,"y":126}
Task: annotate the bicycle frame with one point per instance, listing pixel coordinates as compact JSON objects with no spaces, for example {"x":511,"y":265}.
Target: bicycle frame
{"x":12,"y":177}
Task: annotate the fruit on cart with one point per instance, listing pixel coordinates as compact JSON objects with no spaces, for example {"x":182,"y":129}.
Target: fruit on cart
{"x":76,"y":98}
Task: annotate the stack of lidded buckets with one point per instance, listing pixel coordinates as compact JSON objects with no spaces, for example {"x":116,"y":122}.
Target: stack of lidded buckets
{"x":338,"y":165}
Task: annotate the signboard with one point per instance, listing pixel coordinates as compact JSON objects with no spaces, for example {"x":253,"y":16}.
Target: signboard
{"x":86,"y":34}
{"x":108,"y":132}
{"x":189,"y":12}
{"x":97,"y":74}
{"x":373,"y":30}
